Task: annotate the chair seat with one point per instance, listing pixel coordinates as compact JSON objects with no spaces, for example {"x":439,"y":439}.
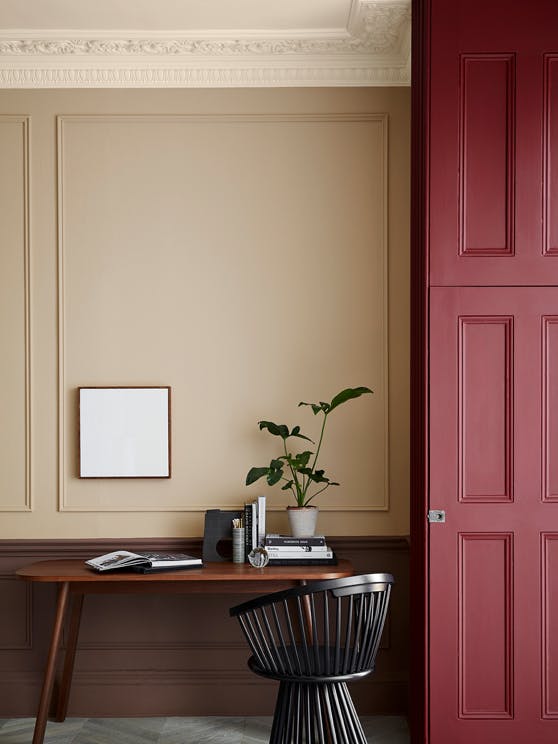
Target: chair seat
{"x":314,"y":670}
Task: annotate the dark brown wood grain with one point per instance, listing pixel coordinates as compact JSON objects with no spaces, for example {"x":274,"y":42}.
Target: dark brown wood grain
{"x":50,"y":669}
{"x":195,"y":654}
{"x":73,"y":575}
{"x":74,"y":571}
{"x":70,"y":657}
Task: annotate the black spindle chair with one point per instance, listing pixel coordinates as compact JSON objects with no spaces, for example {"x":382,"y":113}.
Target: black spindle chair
{"x":314,"y":639}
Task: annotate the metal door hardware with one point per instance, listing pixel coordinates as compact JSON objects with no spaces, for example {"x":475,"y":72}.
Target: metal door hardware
{"x":436,"y":515}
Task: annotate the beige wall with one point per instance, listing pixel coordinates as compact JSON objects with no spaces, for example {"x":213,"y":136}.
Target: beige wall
{"x":247,"y":248}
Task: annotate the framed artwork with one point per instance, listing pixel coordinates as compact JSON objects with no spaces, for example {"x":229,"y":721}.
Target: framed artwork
{"x":124,"y":432}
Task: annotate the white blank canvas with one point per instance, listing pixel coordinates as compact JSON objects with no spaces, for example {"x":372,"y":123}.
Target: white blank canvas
{"x":124,"y":432}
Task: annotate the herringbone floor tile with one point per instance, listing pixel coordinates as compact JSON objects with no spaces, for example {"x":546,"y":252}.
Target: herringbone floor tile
{"x":177,"y":730}
{"x":20,"y":731}
{"x":213,"y":730}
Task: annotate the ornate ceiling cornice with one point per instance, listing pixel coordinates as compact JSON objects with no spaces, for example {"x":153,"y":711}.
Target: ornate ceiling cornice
{"x":374,"y":49}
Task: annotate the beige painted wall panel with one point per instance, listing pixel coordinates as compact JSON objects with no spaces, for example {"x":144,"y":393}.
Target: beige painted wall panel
{"x":241,"y":262}
{"x":236,"y":261}
{"x":14,"y":332}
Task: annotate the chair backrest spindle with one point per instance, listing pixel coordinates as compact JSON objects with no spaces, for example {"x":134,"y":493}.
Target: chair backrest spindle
{"x":338,"y":616}
{"x":282,"y":649}
{"x":294,"y":647}
{"x":314,"y":635}
{"x":348,"y":629}
{"x":359,"y":620}
{"x":270,"y":643}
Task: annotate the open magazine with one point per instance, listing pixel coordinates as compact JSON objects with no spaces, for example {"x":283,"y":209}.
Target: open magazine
{"x":144,"y":562}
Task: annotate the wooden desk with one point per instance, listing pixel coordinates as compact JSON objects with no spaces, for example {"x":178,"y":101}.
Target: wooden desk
{"x":76,"y":579}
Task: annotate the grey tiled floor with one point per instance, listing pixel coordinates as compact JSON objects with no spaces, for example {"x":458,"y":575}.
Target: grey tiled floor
{"x":211,"y":730}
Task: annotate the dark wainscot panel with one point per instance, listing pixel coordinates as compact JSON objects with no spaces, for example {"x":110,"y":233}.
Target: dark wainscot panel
{"x":172,"y":655}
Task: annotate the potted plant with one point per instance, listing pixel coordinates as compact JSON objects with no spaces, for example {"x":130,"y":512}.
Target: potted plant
{"x":299,"y":471}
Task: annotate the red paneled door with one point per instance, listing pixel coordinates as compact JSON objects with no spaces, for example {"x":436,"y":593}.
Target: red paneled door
{"x":492,"y":244}
{"x":494,"y":142}
{"x":494,"y":472}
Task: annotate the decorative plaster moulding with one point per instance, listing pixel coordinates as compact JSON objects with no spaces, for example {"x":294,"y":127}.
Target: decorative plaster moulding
{"x":373,"y":50}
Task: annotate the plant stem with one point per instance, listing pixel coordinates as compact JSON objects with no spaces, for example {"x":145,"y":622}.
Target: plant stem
{"x":293,"y":473}
{"x":317,"y":492}
{"x":309,"y":480}
{"x":290,"y":487}
{"x":319,"y":443}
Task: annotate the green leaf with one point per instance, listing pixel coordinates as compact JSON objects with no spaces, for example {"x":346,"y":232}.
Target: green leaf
{"x":301,"y":460}
{"x":305,"y":471}
{"x":316,"y":407}
{"x":274,"y":476}
{"x":287,"y":485}
{"x":276,"y":464}
{"x":348,"y":394}
{"x":255,"y":474}
{"x":296,"y":433}
{"x":318,"y":476}
{"x":278,"y":430}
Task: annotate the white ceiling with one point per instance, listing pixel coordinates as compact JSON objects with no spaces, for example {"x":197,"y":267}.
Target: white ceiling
{"x":203,"y":43}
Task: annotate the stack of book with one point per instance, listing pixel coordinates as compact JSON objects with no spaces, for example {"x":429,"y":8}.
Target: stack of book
{"x":285,"y":550}
{"x":254,"y":524}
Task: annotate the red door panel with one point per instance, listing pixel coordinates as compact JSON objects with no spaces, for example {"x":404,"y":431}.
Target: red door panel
{"x":494,"y":562}
{"x":494,"y":143}
{"x":550,"y":155}
{"x":549,"y":579}
{"x":486,"y":156}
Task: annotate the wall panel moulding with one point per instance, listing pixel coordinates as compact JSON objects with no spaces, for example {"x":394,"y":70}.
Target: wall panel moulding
{"x":372,"y":48}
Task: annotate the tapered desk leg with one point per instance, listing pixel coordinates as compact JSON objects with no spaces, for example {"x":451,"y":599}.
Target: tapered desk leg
{"x":69,"y":659}
{"x":307,"y":612}
{"x":46,"y":694}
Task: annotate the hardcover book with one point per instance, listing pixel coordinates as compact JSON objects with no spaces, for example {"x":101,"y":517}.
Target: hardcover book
{"x":261,"y":520}
{"x":254,"y":524}
{"x":303,"y":561}
{"x":300,"y":551}
{"x":247,"y":528}
{"x":146,"y":562}
{"x":283,"y":540}
{"x":251,"y":524}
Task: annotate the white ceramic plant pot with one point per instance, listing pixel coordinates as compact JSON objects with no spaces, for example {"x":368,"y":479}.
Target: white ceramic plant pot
{"x":302,"y":520}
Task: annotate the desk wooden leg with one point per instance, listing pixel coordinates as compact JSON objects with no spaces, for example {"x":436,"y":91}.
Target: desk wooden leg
{"x":69,"y":659}
{"x":46,"y":694}
{"x":307,"y":613}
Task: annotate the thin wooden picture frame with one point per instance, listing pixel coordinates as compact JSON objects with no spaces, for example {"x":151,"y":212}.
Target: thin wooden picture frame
{"x":124,"y":431}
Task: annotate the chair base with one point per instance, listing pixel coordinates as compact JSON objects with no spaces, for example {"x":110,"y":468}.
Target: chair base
{"x":315,"y":713}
